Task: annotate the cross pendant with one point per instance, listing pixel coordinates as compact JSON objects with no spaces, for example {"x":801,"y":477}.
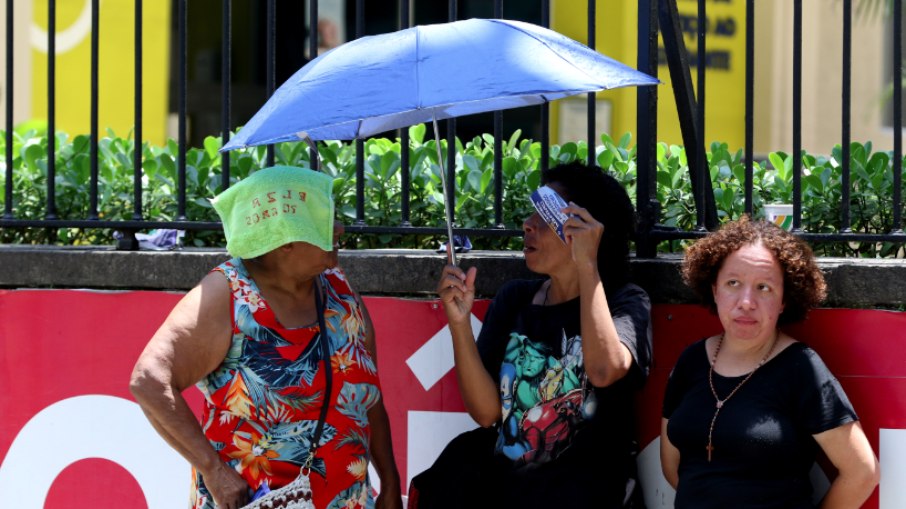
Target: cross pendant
{"x":710,"y":449}
{"x":720,"y":404}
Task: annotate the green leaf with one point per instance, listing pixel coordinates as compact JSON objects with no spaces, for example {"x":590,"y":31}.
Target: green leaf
{"x":211,"y":146}
{"x":417,"y":133}
{"x":486,"y":178}
{"x":813,"y":181}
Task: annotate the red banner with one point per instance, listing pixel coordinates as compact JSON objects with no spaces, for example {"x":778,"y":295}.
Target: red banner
{"x":72,"y":437}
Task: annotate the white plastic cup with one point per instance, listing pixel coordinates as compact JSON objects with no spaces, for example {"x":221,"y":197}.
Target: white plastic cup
{"x":780,"y":214}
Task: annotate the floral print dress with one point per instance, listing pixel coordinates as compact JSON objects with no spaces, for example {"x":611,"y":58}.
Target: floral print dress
{"x":263,"y":402}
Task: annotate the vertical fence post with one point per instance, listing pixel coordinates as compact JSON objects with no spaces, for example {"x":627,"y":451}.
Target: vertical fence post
{"x":137,"y":103}
{"x":226,"y":77}
{"x":646,"y":115}
{"x":498,"y":148}
{"x":545,"y":107}
{"x":313,"y":158}
{"x":592,"y":96}
{"x":93,"y":106}
{"x":452,"y":15}
{"x":51,"y":212}
{"x":684,"y":96}
{"x":271,"y":66}
{"x":701,"y":159}
{"x":897,"y":164}
{"x":359,"y":143}
{"x":846,"y":77}
{"x":8,"y":202}
{"x":404,"y":140}
{"x":750,"y":104}
{"x":128,"y":241}
{"x":181,"y":26}
{"x":797,"y":115}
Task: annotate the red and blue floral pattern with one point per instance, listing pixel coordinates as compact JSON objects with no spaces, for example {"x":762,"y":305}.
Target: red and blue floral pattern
{"x":263,"y":402}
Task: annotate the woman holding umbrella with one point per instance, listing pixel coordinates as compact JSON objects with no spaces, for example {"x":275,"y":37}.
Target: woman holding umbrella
{"x":552,"y":377}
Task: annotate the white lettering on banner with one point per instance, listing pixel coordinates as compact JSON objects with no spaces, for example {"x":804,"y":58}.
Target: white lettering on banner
{"x":659,"y":494}
{"x":429,"y":433}
{"x":91,"y":426}
{"x":892,"y":452}
{"x":435,"y":358}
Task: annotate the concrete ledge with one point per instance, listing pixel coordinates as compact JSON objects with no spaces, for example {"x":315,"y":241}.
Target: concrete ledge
{"x":852,"y":282}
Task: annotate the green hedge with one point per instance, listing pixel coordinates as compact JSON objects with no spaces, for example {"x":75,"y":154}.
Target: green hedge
{"x":871,"y":185}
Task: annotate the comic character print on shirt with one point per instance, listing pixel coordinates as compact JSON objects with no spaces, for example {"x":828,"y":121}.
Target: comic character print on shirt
{"x":544,"y":399}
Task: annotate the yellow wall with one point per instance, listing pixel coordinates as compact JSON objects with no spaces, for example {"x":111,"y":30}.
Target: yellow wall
{"x":116,"y":66}
{"x":616,"y":36}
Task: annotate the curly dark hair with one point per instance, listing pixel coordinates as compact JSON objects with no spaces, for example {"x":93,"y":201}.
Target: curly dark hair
{"x":606,"y":200}
{"x":803,"y":284}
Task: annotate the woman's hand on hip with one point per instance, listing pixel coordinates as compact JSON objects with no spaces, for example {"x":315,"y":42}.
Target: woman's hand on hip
{"x":229,"y":489}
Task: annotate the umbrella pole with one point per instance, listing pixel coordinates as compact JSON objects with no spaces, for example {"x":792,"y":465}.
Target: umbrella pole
{"x":315,"y":162}
{"x":448,"y":207}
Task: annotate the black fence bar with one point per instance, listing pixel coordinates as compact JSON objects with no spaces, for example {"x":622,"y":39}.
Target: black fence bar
{"x":897,"y":164}
{"x":646,"y":118}
{"x":8,"y":202}
{"x":226,"y":78}
{"x":138,"y":135}
{"x":498,"y":148}
{"x":359,"y":144}
{"x":93,"y":105}
{"x":750,"y":104}
{"x":313,"y":51}
{"x":545,"y":107}
{"x":684,"y":97}
{"x":404,"y":141}
{"x":181,"y":27}
{"x":651,"y":14}
{"x":452,"y":15}
{"x":701,"y":159}
{"x":51,"y":212}
{"x":270,"y":55}
{"x":845,"y":133}
{"x":592,"y":96}
{"x":797,"y":115}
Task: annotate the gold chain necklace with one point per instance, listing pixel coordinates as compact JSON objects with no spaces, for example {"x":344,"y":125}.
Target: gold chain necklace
{"x":720,"y":402}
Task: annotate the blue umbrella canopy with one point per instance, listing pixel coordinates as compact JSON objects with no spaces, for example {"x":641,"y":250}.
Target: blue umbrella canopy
{"x":431,"y":72}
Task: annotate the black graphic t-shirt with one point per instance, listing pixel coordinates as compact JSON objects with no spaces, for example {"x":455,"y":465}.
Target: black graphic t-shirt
{"x":553,"y":420}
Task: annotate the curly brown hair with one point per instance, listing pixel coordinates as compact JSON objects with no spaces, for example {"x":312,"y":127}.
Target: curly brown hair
{"x":803,"y":284}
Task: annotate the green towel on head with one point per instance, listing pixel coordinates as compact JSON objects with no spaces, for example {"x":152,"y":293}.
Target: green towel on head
{"x":275,"y":206}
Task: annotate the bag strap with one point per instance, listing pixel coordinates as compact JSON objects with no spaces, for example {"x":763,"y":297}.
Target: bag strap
{"x":328,"y":375}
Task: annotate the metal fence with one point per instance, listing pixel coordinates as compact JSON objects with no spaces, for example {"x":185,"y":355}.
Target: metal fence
{"x":655,"y":16}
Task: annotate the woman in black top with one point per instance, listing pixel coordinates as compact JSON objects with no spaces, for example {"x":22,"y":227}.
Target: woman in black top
{"x":746,"y":411}
{"x":555,"y":368}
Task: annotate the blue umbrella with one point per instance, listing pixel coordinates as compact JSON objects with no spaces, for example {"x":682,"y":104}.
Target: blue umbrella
{"x":428,"y":73}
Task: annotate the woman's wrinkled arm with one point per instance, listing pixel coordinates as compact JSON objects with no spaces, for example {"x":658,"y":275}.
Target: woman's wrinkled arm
{"x":858,"y":471}
{"x":191,"y":343}
{"x":381,"y":445}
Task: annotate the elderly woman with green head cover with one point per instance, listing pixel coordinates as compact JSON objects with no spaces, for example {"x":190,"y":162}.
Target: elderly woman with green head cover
{"x":282,"y":349}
